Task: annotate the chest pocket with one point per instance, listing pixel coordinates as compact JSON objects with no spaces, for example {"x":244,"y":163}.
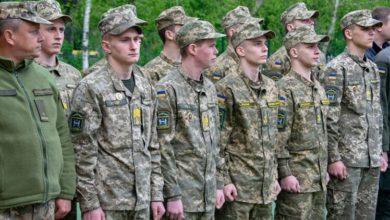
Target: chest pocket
{"x":356,"y":95}
{"x":66,"y":97}
{"x":44,"y":103}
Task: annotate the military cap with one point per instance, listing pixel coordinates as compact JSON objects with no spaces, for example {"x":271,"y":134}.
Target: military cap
{"x":297,"y":11}
{"x":117,"y":20}
{"x":123,"y":8}
{"x":238,"y":15}
{"x":21,"y":10}
{"x":51,"y":10}
{"x":194,"y":31}
{"x":250,"y":30}
{"x":172,"y":16}
{"x":303,"y":34}
{"x":359,"y":17}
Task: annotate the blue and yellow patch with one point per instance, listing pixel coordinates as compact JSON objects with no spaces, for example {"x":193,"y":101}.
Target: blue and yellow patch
{"x":76,"y":122}
{"x":282,"y":120}
{"x":161,"y":93}
{"x":381,"y":70}
{"x":332,"y":75}
{"x":217,"y":75}
{"x":163,"y":120}
{"x":278,"y":62}
{"x":332,"y":93}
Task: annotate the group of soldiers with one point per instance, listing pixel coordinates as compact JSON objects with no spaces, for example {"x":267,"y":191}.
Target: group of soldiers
{"x":191,"y":135}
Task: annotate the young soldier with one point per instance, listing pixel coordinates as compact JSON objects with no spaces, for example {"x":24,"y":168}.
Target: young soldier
{"x":113,"y":122}
{"x":37,"y":173}
{"x":382,"y":34}
{"x":248,"y":104}
{"x":168,"y":23}
{"x":188,"y":128}
{"x":296,"y":15}
{"x":228,"y":59}
{"x":302,"y":131}
{"x":354,"y":123}
{"x":65,"y":76}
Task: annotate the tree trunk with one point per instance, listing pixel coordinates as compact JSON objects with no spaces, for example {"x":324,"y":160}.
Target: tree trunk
{"x":258,"y":4}
{"x":86,"y":33}
{"x":332,"y":25}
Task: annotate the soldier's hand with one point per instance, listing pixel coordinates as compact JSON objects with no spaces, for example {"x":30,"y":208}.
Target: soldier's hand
{"x":230,"y":192}
{"x":158,"y":210}
{"x":338,"y":169}
{"x":96,"y":214}
{"x":175,"y":210}
{"x":220,"y":199}
{"x":384,"y":161}
{"x":62,"y":208}
{"x":290,"y":184}
{"x":327,"y":178}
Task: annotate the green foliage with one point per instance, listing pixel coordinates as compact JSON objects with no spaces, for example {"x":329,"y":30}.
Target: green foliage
{"x":212,"y":11}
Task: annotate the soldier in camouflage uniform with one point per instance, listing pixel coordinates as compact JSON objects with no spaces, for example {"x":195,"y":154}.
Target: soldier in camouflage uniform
{"x":65,"y":76}
{"x":188,"y":128}
{"x":228,"y":60}
{"x":296,"y":15}
{"x":303,"y":161}
{"x":248,"y":107}
{"x":168,"y":23}
{"x":113,"y":121}
{"x":354,"y":123}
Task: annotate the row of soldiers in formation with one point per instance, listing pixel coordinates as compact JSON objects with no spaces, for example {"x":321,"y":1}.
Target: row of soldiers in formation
{"x":189,"y":133}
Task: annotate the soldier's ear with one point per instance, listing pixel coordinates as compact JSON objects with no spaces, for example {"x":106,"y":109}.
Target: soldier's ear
{"x":240,"y":51}
{"x":293,"y":52}
{"x":106,"y":46}
{"x":348,"y":33}
{"x":9,"y":36}
{"x":191,"y":49}
{"x":170,"y":35}
{"x":289,"y":27}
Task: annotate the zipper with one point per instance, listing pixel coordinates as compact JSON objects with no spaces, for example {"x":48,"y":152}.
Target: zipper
{"x":40,"y":135}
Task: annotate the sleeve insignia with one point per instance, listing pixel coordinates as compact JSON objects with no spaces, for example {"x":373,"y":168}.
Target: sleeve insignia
{"x":281,"y":123}
{"x":161,"y":93}
{"x":278,"y":62}
{"x":163,"y":120}
{"x":331,"y":93}
{"x":217,"y":75}
{"x":76,"y":122}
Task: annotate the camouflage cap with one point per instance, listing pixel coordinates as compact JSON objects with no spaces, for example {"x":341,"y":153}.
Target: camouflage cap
{"x":250,"y":30}
{"x":297,"y":11}
{"x":51,"y":10}
{"x":194,"y":31}
{"x":117,"y":20}
{"x":303,"y":34}
{"x":21,"y":10}
{"x":172,"y":16}
{"x":359,"y":17}
{"x":237,"y":16}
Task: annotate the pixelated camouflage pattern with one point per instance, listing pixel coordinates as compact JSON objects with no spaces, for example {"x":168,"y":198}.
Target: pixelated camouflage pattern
{"x":143,"y":214}
{"x":117,"y":20}
{"x":238,"y":15}
{"x":117,"y":153}
{"x":96,"y":66}
{"x":194,"y":31}
{"x":297,"y":11}
{"x":302,"y":135}
{"x":189,"y":140}
{"x":241,"y":210}
{"x":355,"y":197}
{"x":248,"y":115}
{"x":278,"y":64}
{"x":303,"y":34}
{"x":224,"y":64}
{"x":21,"y":10}
{"x":355,"y":116}
{"x":44,"y":211}
{"x":160,"y":67}
{"x":249,"y":30}
{"x":359,"y":17}
{"x":51,"y":10}
{"x":66,"y":77}
{"x":301,"y":206}
{"x":172,"y":16}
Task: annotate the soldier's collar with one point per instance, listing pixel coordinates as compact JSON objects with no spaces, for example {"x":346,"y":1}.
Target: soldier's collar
{"x":299,"y":77}
{"x":118,"y":84}
{"x":355,"y":58}
{"x":53,"y":69}
{"x":170,"y":61}
{"x":255,"y":85}
{"x":10,"y":66}
{"x":196,"y":85}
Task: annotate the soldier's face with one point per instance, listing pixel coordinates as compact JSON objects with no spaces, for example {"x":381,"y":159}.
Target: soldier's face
{"x":301,"y":22}
{"x":53,"y":37}
{"x":385,"y":29}
{"x":255,"y":51}
{"x":125,"y":48}
{"x":27,"y":40}
{"x":308,"y":54}
{"x":362,"y":37}
{"x":206,"y":53}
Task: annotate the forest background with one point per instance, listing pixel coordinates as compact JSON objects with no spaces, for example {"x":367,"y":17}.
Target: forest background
{"x":331,"y":11}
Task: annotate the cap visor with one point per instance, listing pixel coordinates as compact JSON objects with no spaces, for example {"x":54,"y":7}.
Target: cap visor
{"x":66,"y":18}
{"x":317,"y":39}
{"x":370,"y":23}
{"x":308,"y":14}
{"x":214,"y":35}
{"x":37,"y":20}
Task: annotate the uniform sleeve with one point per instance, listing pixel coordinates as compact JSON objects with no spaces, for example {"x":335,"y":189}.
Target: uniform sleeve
{"x":384,"y":71}
{"x":166,"y":128}
{"x":225,"y":105}
{"x":285,"y":124}
{"x":219,"y":160}
{"x":157,"y":181}
{"x":68,"y":176}
{"x":333,"y":82}
{"x":84,"y":123}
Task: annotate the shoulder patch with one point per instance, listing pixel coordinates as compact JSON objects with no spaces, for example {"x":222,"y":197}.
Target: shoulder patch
{"x":282,"y":119}
{"x":76,"y":122}
{"x":332,"y":75}
{"x":217,"y":75}
{"x":163,"y":120}
{"x":278,"y":62}
{"x":381,"y":70}
{"x":161,"y":93}
{"x":332,"y":93}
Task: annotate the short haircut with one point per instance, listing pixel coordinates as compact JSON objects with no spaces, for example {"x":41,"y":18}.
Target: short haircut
{"x":161,"y":32}
{"x":183,"y":51}
{"x":381,"y":13}
{"x":11,"y":23}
